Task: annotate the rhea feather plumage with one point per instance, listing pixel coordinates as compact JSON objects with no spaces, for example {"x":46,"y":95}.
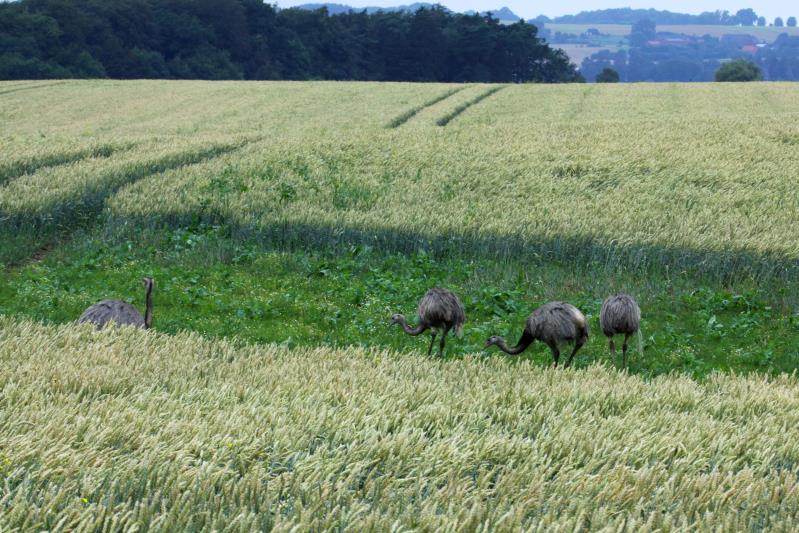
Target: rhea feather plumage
{"x":121,"y":313}
{"x":554,"y":324}
{"x":621,"y":315}
{"x":439,"y":311}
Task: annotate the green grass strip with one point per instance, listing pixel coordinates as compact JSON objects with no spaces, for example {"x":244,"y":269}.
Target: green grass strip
{"x":446,"y":119}
{"x":409,"y":114}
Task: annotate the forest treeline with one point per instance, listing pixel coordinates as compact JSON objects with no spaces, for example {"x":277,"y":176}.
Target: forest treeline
{"x":250,"y":39}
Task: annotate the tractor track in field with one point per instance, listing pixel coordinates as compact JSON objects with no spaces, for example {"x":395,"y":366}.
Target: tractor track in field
{"x":452,"y":115}
{"x":408,"y":115}
{"x":31,"y":87}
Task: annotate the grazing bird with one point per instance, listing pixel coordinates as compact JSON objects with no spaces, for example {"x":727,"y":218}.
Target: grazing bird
{"x":439,"y":311}
{"x":553,"y":324}
{"x":620,"y":314}
{"x":121,"y":313}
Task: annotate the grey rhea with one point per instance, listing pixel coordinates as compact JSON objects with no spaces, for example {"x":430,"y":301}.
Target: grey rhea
{"x":121,"y":313}
{"x":553,"y":324}
{"x":620,"y":315}
{"x":439,"y":311}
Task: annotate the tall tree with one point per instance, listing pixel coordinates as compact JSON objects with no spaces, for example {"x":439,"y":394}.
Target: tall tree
{"x":746,"y":17}
{"x":642,"y":31}
{"x":739,"y":70}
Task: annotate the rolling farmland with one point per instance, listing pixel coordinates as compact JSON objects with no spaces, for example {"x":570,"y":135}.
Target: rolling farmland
{"x":765,"y":33}
{"x":285,"y":222}
{"x":562,"y":160}
{"x":613,"y":35}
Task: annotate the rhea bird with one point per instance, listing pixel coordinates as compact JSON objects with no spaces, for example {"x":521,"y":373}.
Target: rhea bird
{"x":554,"y":324}
{"x":121,"y":313}
{"x":439,"y":311}
{"x":620,"y":315}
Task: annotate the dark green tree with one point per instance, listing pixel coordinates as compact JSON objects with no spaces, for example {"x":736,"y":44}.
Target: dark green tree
{"x":739,"y":70}
{"x":608,"y":75}
{"x":761,"y":21}
{"x":791,"y":22}
{"x":746,"y":17}
{"x":778,"y":22}
{"x":642,"y":31}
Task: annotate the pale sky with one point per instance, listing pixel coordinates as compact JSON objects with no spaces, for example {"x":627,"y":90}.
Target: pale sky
{"x":528,"y":10}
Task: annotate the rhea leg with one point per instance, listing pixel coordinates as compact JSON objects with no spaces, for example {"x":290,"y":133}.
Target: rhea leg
{"x":553,"y":346}
{"x":443,"y":342}
{"x":577,"y":345}
{"x":624,"y":350}
{"x":432,"y":340}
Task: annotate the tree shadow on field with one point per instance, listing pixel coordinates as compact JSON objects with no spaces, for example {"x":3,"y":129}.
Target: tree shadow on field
{"x":588,"y":254}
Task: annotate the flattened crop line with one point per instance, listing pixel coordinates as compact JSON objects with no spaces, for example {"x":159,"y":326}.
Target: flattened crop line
{"x":579,"y":106}
{"x":15,"y":89}
{"x":409,"y":114}
{"x":85,"y":206}
{"x":18,"y":168}
{"x":446,"y":119}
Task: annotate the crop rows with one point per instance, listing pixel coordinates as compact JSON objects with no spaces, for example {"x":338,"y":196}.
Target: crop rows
{"x":131,"y":430}
{"x":697,"y":177}
{"x":140,"y":110}
{"x":66,"y":194}
{"x":47,"y":157}
{"x":598,"y":189}
{"x":139,"y":429}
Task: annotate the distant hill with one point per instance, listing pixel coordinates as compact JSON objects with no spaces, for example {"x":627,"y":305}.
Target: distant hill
{"x":503,"y":14}
{"x":628,"y":15}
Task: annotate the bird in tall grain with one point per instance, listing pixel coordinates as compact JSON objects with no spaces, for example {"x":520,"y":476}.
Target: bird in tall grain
{"x":620,"y":315}
{"x":439,"y":311}
{"x":553,"y":324}
{"x":121,"y":313}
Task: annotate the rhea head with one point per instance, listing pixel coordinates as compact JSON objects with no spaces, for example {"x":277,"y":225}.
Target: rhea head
{"x":493,"y":340}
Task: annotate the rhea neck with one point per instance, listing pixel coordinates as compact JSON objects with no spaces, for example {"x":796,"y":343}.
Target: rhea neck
{"x":148,"y":313}
{"x":515,"y":350}
{"x":409,"y":330}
